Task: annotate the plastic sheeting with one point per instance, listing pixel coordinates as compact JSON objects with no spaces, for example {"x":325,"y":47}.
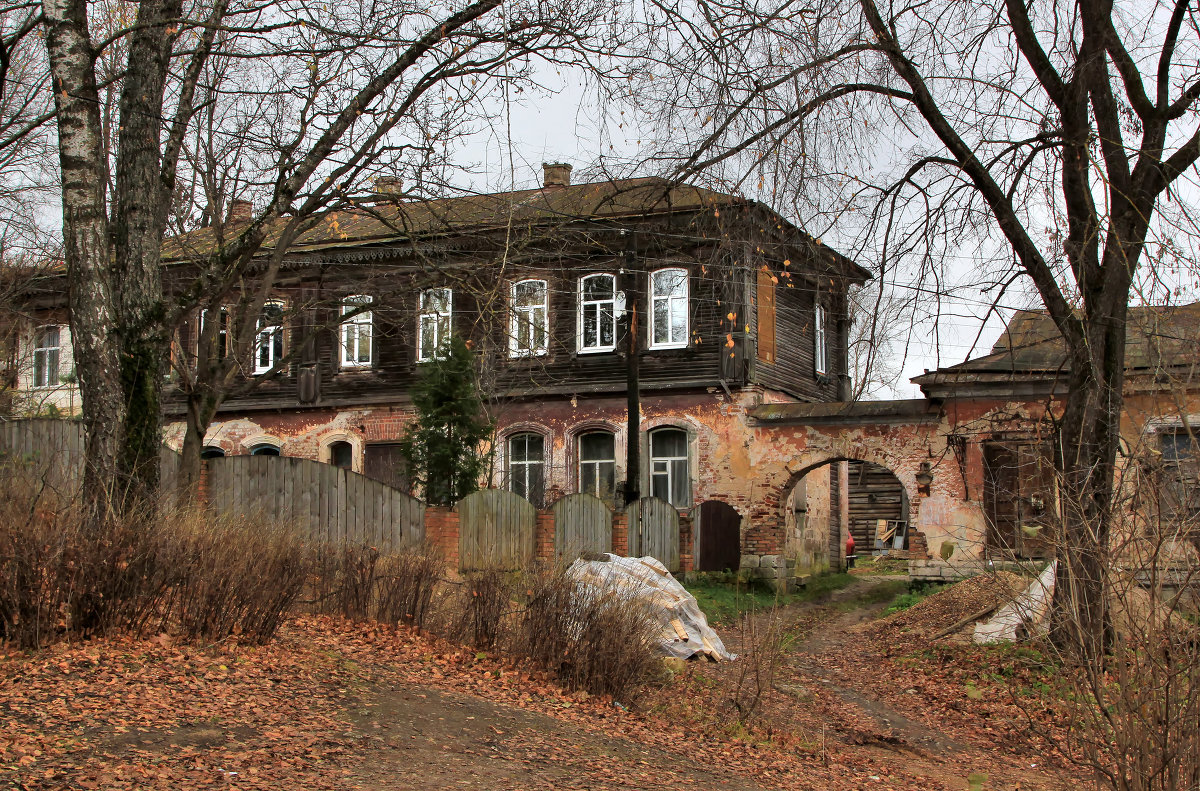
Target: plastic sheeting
{"x":1023,"y":617}
{"x":685,"y":630}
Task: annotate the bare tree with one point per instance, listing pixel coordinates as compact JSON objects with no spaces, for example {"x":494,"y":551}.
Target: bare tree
{"x":320,"y":95}
{"x":1048,"y":145}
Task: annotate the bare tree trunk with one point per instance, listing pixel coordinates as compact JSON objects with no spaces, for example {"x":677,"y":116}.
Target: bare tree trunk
{"x":85,"y":233}
{"x":138,"y":223}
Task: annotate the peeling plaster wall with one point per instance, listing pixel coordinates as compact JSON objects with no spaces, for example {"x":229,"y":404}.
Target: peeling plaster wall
{"x":750,"y":465}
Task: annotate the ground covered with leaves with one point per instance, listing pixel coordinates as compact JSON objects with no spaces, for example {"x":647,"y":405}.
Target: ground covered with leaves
{"x":332,"y":704}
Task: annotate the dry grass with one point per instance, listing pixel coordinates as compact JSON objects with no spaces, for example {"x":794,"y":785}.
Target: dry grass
{"x":405,"y":586}
{"x":598,"y":640}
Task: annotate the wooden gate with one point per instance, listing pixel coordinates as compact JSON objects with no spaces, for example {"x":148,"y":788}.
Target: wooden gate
{"x":719,"y":537}
{"x":495,"y":530}
{"x":326,"y":503}
{"x":582,"y":523}
{"x":654,"y":531}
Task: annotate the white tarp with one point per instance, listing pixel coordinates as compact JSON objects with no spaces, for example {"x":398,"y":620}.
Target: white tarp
{"x":685,"y":630}
{"x":1022,"y":617}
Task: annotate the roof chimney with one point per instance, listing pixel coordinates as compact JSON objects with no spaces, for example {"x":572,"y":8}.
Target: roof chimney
{"x":240,"y":210}
{"x":388,"y":185}
{"x":556,"y":174}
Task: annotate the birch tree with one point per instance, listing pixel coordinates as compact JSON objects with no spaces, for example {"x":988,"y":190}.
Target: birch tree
{"x":335,"y":88}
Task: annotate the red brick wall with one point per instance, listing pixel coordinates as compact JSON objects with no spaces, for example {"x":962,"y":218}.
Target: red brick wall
{"x":441,"y":532}
{"x":543,"y":535}
{"x":620,"y":534}
{"x":686,"y":551}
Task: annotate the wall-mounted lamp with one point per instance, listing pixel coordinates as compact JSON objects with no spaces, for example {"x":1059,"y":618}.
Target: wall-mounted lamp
{"x":924,"y":478}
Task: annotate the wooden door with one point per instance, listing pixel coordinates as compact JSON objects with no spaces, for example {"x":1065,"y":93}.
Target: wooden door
{"x":719,"y":537}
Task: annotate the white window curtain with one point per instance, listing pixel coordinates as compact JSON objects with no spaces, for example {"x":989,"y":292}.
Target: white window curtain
{"x":527,"y":467}
{"x":819,"y":342}
{"x":433,"y":323}
{"x":47,"y":356}
{"x":669,"y":475}
{"x":669,"y":308}
{"x":268,"y":341}
{"x":598,"y":464}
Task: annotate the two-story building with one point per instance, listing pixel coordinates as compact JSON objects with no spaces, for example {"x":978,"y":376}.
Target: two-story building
{"x":730,"y":305}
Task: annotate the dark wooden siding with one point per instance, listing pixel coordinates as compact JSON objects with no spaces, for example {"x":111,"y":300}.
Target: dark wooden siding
{"x":722,"y":278}
{"x":794,"y":367}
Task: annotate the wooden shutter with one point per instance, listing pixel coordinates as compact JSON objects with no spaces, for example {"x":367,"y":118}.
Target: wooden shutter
{"x":766,"y":316}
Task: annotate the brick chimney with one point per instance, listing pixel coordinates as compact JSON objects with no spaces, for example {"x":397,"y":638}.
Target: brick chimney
{"x":240,"y":210}
{"x":388,"y":185}
{"x":556,"y":174}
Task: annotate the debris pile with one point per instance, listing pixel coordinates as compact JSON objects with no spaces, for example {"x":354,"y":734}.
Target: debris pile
{"x":957,"y":607}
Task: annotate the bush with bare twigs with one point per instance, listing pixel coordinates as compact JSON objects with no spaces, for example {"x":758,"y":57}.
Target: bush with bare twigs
{"x":178,"y":570}
{"x":405,"y":584}
{"x":596,"y":639}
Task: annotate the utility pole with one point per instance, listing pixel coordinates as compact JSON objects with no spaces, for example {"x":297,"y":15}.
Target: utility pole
{"x":631,"y":281}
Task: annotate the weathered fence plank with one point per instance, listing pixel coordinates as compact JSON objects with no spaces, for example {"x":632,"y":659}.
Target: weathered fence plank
{"x":654,"y":531}
{"x":323,"y":503}
{"x":495,"y":530}
{"x":582,"y":523}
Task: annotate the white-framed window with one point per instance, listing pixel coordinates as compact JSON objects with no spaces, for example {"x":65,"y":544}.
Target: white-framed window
{"x":265,"y":449}
{"x":357,"y":331}
{"x":820,"y":357}
{"x":528,"y":333}
{"x":598,"y":464}
{"x":597,"y":313}
{"x":268,"y":339}
{"x":669,"y":477}
{"x":221,"y":341}
{"x":527,"y":466}
{"x":669,"y":309}
{"x":433,"y":323}
{"x":47,"y":356}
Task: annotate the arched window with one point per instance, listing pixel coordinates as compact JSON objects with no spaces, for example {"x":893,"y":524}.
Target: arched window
{"x":597,"y":313}
{"x":527,"y":466}
{"x":528,"y":333}
{"x":598,"y":464}
{"x":268,"y":341}
{"x":212,"y":452}
{"x":341,"y":454}
{"x":669,"y":478}
{"x":264,"y":449}
{"x":669,"y":308}
{"x":357,"y":325}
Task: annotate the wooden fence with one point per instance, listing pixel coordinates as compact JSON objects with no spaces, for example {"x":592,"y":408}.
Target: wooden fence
{"x":654,"y":531}
{"x":324,"y":502}
{"x":53,"y":453}
{"x":582,"y":523}
{"x":495,"y":530}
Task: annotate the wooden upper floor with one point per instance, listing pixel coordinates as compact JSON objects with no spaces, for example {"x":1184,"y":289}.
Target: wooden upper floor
{"x":545,"y":286}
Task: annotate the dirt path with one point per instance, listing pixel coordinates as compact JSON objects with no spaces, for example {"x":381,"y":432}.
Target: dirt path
{"x":422,"y":738}
{"x":868,"y":721}
{"x":812,"y":658}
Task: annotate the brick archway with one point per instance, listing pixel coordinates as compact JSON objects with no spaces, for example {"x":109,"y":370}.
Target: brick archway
{"x":783,"y":451}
